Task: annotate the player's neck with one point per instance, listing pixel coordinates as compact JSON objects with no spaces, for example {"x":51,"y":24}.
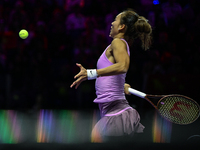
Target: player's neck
{"x":120,"y":36}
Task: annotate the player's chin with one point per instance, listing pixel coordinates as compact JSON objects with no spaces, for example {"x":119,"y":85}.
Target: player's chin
{"x":110,"y":35}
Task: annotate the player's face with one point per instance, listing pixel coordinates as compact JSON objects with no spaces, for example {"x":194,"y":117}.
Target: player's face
{"x":115,"y":26}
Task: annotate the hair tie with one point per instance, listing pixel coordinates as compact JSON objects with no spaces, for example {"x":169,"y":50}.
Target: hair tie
{"x":136,"y":15}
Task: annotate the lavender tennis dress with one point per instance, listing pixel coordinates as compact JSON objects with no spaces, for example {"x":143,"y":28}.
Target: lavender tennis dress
{"x":117,"y":117}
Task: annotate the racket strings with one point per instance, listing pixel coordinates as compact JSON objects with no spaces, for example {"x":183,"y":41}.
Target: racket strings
{"x":178,"y":109}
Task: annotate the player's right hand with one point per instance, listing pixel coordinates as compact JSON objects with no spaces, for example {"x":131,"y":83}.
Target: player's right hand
{"x":126,"y":86}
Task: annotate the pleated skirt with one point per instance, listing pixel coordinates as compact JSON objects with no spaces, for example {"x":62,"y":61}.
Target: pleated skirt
{"x":118,"y":118}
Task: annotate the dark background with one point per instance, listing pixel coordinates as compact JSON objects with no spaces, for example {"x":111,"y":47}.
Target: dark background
{"x":39,"y":70}
{"x":36,"y":73}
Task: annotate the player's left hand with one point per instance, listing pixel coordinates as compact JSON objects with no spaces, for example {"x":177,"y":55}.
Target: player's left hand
{"x":81,"y":76}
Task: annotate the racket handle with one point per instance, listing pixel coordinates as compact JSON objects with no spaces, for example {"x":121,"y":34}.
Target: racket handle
{"x":136,"y":93}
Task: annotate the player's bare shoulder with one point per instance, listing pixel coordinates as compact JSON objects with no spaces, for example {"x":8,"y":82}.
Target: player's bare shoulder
{"x":117,"y":41}
{"x":118,"y":44}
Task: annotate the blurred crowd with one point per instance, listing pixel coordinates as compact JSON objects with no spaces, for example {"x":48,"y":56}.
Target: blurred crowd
{"x":37,"y":72}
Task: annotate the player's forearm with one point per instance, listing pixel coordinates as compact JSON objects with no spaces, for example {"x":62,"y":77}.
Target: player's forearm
{"x":114,"y":69}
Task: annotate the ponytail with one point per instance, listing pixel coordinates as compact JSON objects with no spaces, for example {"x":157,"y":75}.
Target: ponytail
{"x":137,"y":27}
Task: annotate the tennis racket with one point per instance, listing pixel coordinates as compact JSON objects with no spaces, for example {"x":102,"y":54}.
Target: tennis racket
{"x":175,"y":108}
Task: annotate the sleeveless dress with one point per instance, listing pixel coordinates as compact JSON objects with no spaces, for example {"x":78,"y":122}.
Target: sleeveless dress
{"x":118,"y":118}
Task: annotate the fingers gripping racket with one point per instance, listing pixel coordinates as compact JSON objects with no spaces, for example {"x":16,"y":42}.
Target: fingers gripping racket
{"x":175,"y":108}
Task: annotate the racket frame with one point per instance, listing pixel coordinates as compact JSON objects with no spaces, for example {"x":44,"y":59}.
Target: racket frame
{"x":147,"y":96}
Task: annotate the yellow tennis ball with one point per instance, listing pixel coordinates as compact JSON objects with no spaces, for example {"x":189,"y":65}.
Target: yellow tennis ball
{"x":23,"y":34}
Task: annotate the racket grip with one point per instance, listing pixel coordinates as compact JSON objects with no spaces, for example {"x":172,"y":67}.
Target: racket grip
{"x":136,"y":93}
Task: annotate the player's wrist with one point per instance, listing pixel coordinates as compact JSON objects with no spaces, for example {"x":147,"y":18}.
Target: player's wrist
{"x":92,"y":74}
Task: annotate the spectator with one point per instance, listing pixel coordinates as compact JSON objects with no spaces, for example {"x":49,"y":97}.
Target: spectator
{"x":18,"y":17}
{"x":75,"y":23}
{"x":172,"y":11}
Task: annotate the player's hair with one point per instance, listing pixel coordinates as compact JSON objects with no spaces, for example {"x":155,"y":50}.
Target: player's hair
{"x":137,"y":27}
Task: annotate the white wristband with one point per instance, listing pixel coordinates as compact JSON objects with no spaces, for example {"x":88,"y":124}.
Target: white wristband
{"x":92,"y":74}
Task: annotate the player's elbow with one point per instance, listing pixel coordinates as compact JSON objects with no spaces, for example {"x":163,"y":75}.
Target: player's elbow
{"x":123,"y":68}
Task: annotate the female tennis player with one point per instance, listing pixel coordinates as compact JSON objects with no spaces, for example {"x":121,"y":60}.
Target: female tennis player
{"x":118,"y":118}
